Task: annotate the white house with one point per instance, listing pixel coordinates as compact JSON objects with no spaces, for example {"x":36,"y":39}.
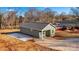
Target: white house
{"x":40,"y":30}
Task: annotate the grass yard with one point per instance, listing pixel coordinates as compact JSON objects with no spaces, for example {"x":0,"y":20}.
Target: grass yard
{"x":11,"y":44}
{"x":9,"y":30}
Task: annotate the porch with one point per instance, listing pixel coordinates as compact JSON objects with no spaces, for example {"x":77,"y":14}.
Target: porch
{"x":45,"y":33}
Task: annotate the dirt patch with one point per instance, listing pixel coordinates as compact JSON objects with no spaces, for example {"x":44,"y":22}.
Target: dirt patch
{"x":66,"y":34}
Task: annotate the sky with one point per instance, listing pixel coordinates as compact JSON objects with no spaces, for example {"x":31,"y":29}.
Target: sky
{"x":22,"y":10}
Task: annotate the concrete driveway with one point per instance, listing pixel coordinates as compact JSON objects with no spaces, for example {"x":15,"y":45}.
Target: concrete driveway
{"x":21,"y":36}
{"x":67,"y":44}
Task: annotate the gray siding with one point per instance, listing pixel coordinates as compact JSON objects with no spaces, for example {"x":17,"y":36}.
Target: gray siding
{"x":34,"y":33}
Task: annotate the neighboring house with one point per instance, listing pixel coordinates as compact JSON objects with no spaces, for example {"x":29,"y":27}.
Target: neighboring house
{"x":68,"y":23}
{"x":40,"y":30}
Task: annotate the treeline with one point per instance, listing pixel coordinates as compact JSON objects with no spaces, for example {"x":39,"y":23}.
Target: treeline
{"x":11,"y":20}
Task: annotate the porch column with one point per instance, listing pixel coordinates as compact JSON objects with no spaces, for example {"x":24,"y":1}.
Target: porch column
{"x":51,"y":33}
{"x":41,"y":35}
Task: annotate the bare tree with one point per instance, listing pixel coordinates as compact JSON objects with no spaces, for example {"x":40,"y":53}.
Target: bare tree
{"x":63,"y":16}
{"x":75,"y":12}
{"x":0,"y":19}
{"x":32,"y":15}
{"x":50,"y":15}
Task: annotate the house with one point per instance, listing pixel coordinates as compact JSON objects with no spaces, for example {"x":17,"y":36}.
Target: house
{"x":40,"y":30}
{"x":68,"y":24}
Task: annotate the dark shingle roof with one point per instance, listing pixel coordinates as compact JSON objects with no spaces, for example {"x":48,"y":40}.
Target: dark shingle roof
{"x":69,"y":23}
{"x":35,"y":26}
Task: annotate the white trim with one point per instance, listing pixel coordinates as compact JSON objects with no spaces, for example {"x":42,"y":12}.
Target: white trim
{"x":46,"y":26}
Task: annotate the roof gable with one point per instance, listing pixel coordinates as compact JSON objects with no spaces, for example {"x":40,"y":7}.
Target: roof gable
{"x":48,"y":27}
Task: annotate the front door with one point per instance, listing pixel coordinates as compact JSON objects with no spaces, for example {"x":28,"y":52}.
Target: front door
{"x":48,"y":33}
